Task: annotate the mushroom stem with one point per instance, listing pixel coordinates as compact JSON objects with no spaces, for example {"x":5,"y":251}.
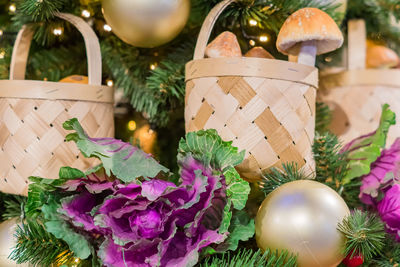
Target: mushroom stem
{"x":308,"y":52}
{"x":293,"y":58}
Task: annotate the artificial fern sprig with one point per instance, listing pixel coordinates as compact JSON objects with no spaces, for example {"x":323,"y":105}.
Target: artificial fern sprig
{"x":276,"y":177}
{"x":249,"y":257}
{"x":365,"y":234}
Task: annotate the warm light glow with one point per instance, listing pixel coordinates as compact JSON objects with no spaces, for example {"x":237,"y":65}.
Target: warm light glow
{"x":151,"y":131}
{"x":85,"y":13}
{"x":1,"y":32}
{"x":132,"y":125}
{"x":253,"y":22}
{"x":2,"y":54}
{"x":77,"y":260}
{"x":264,"y":38}
{"x":12,"y":8}
{"x":328,"y":59}
{"x":110,"y":83}
{"x":153,"y":66}
{"x":57,"y":31}
{"x":107,"y":27}
{"x":252,"y":42}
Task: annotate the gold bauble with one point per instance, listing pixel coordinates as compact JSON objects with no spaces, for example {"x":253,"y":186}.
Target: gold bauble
{"x":7,"y":243}
{"x":302,"y":217}
{"x":146,"y":23}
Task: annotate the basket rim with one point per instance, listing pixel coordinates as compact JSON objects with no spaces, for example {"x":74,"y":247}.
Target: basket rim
{"x":32,"y":89}
{"x":252,"y":67}
{"x":361,"y":77}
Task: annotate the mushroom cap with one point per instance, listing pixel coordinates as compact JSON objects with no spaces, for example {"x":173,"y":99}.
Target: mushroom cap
{"x":379,"y":56}
{"x":259,"y":52}
{"x":309,"y":24}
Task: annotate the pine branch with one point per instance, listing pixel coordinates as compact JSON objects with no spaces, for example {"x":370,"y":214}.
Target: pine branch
{"x":323,"y":117}
{"x":40,"y":248}
{"x":249,"y":257}
{"x":365,"y":234}
{"x":13,"y":206}
{"x":41,"y":10}
{"x":276,"y":177}
{"x":330,"y":164}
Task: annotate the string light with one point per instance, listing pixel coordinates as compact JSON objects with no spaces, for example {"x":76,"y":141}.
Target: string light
{"x":12,"y":8}
{"x":1,"y":32}
{"x":131,"y":126}
{"x":264,"y":38}
{"x":85,"y":13}
{"x":2,"y":54}
{"x":153,"y":66}
{"x":110,"y":83}
{"x":253,"y":22}
{"x":107,"y":28}
{"x":57,"y":31}
{"x":252,"y":42}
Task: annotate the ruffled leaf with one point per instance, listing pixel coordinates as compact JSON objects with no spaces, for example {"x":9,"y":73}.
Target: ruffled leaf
{"x":366,"y":149}
{"x":207,"y":147}
{"x":242,"y":228}
{"x":126,"y":162}
{"x":59,"y":228}
{"x":237,"y":189}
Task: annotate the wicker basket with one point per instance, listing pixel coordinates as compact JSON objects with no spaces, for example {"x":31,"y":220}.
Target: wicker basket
{"x":32,"y":113}
{"x":356,"y":95}
{"x":265,"y":106}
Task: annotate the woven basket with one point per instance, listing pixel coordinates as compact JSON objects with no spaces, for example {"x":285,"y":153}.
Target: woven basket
{"x":356,"y":95}
{"x":265,"y":106}
{"x":32,"y":113}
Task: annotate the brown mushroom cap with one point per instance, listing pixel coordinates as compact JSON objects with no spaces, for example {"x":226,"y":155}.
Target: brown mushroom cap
{"x":259,"y":52}
{"x":379,"y":56}
{"x":309,"y":24}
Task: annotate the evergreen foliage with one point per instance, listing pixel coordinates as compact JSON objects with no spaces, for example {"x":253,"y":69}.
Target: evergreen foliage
{"x":40,"y":248}
{"x":249,"y":257}
{"x":365,"y":234}
{"x":276,"y":177}
{"x":323,"y":117}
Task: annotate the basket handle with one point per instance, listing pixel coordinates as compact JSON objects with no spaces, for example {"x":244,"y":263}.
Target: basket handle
{"x":23,"y":42}
{"x":207,"y":27}
{"x":357,"y":46}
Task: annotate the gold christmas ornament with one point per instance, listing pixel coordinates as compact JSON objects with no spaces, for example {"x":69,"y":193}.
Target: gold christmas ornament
{"x":146,"y":23}
{"x":302,"y":217}
{"x":7,"y":243}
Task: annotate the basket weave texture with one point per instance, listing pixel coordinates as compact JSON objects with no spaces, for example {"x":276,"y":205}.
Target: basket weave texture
{"x":32,"y":139}
{"x":356,"y":95}
{"x":266,"y":107}
{"x":273,"y":120}
{"x":357,"y":108}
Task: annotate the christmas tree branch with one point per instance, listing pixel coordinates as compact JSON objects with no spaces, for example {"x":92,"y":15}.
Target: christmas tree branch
{"x":365,"y":234}
{"x":249,"y":257}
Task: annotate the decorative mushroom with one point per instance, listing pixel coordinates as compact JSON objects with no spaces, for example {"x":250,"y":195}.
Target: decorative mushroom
{"x":381,"y":57}
{"x":309,"y":32}
{"x":224,"y":45}
{"x":259,"y":52}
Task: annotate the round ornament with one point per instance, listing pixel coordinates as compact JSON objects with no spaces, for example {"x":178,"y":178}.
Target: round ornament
{"x":7,"y":242}
{"x":302,"y":217}
{"x":146,"y":23}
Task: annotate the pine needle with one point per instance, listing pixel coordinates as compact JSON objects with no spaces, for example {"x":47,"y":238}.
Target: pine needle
{"x":276,"y":177}
{"x":248,"y":257}
{"x":365,"y":234}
